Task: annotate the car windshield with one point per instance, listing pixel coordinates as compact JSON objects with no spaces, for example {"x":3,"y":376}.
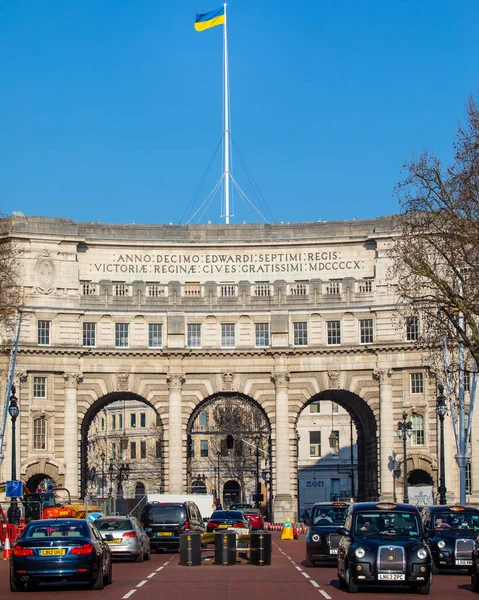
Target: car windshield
{"x":113,"y":524}
{"x":456,"y":520}
{"x":387,"y":523}
{"x":165,"y":513}
{"x":227,"y":515}
{"x":329,"y":515}
{"x":61,"y":530}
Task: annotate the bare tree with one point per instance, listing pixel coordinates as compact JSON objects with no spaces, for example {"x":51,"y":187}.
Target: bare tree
{"x":436,"y":253}
{"x":9,"y":295}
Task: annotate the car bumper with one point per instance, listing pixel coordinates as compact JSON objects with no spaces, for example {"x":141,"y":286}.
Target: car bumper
{"x":418,"y":574}
{"x":321,"y":553}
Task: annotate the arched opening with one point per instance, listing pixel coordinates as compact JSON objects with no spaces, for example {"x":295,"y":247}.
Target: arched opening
{"x":420,"y":488}
{"x":229,"y":441}
{"x":231,"y":493}
{"x":121,"y":443}
{"x":198,"y":487}
{"x":343,"y":443}
{"x":39,"y":483}
{"x":140,"y":490}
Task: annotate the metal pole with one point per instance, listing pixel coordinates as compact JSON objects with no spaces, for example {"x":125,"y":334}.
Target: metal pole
{"x":353,"y":487}
{"x":405,"y":491}
{"x":14,"y":520}
{"x":442,"y":477}
{"x":226,"y":124}
{"x":102,"y":474}
{"x":218,"y":494}
{"x":257,"y":474}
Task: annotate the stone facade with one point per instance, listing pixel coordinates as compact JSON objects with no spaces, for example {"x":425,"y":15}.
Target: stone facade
{"x":175,"y":316}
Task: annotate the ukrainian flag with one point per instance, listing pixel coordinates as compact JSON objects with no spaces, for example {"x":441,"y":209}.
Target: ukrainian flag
{"x":210,"y":19}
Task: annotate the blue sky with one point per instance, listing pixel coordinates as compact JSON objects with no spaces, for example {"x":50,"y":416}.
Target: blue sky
{"x":111,"y":110}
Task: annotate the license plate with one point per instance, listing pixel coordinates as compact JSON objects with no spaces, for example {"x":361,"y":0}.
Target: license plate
{"x":54,"y":552}
{"x":463,"y":562}
{"x":164,"y":533}
{"x":392,"y":576}
{"x":223,"y":526}
{"x":115,"y":541}
{"x":333,"y":551}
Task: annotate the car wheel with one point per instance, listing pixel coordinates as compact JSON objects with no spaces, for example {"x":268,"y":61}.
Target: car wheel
{"x":351,"y":586}
{"x":342,"y":582}
{"x":108,"y":578}
{"x":140,"y":557}
{"x":15,"y":586}
{"x":147,"y":555}
{"x":474,"y":581}
{"x":309,"y":562}
{"x":97,"y":584}
{"x":434,"y":568}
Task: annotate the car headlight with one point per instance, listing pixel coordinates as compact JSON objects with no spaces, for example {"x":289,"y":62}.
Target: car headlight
{"x":360,"y":552}
{"x":422,"y":553}
{"x":441,"y":544}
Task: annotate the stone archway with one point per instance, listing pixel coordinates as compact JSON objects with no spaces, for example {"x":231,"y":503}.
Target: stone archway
{"x":36,"y":471}
{"x":367,"y":443}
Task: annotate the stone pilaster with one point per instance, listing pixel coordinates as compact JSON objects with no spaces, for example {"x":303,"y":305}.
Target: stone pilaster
{"x":71,"y":435}
{"x":175,"y":434}
{"x":386,"y":433}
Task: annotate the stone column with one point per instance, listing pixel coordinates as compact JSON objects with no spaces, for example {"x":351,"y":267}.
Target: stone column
{"x":284,"y":505}
{"x":71,"y":434}
{"x":386,"y":434}
{"x":175,"y":435}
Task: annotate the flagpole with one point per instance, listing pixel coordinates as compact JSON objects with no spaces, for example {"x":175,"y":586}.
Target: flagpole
{"x":226,"y":173}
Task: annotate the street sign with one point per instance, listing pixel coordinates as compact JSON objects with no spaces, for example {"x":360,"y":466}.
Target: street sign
{"x":14,"y":489}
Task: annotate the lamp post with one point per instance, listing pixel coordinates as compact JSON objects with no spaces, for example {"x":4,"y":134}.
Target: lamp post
{"x":441,"y":411}
{"x":404,"y":430}
{"x":256,"y":496}
{"x":13,"y":411}
{"x":122,"y":474}
{"x":102,"y":456}
{"x":266,"y":475}
{"x":218,"y":454}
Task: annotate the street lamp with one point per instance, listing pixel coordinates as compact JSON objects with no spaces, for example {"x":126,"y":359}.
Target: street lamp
{"x":441,"y":411}
{"x":218,"y":454}
{"x":404,"y":430}
{"x":102,"y":456}
{"x":266,"y":475}
{"x":13,"y":411}
{"x":256,"y":496}
{"x":122,"y":474}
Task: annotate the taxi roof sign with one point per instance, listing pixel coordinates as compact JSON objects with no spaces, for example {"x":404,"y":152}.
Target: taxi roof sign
{"x":339,"y":503}
{"x":456,"y":508}
{"x":386,"y":505}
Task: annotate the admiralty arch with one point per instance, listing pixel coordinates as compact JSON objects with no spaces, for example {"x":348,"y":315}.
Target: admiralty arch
{"x":280,"y":315}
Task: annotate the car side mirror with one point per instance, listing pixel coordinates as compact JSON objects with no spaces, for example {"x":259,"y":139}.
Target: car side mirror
{"x":343,"y":531}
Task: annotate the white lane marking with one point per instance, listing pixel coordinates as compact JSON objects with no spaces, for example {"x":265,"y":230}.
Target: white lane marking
{"x":327,"y":596}
{"x":130,"y":593}
{"x":142,"y":583}
{"x":305,"y":574}
{"x":312,"y":582}
{"x":299,"y":568}
{"x":151,"y":575}
{"x":159,"y":568}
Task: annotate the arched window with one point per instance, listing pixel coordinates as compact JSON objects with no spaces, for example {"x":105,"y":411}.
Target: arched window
{"x":198,"y":487}
{"x":203,"y":418}
{"x":140,"y":490}
{"x":418,"y":430}
{"x":40,"y":434}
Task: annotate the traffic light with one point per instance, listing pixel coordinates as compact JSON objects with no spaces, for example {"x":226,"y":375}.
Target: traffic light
{"x":230,"y":442}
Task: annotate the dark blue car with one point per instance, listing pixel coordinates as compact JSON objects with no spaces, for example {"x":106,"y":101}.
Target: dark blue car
{"x":60,"y":550}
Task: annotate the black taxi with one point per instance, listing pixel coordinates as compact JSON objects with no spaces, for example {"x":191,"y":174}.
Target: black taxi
{"x":322,"y":539}
{"x":383,"y":543}
{"x":450,"y":533}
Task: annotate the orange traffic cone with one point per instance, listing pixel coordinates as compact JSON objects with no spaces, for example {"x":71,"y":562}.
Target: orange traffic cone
{"x":7,"y":551}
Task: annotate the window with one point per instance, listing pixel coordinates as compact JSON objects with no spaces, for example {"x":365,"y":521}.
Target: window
{"x":102,"y":424}
{"x":40,"y":434}
{"x":334,"y":408}
{"x":412,"y":329}
{"x":133,"y":450}
{"x":89,"y":334}
{"x":39,"y":387}
{"x":300,"y":334}
{"x":366,"y":331}
{"x":335,"y":443}
{"x":133,"y":420}
{"x":469,"y":478}
{"x":261,"y":334}
{"x":203,"y":419}
{"x":417,"y":383}
{"x":113,"y":450}
{"x":155,"y":335}
{"x":142,"y":419}
{"x":113,"y":421}
{"x":158,"y":449}
{"x":121,"y":335}
{"x":44,"y":333}
{"x":204,"y":448}
{"x":314,"y":443}
{"x":334,"y":333}
{"x":120,"y":421}
{"x":227,"y":335}
{"x":142,"y":449}
{"x":417,"y":430}
{"x":467,"y":381}
{"x":315,"y":407}
{"x":194,"y":335}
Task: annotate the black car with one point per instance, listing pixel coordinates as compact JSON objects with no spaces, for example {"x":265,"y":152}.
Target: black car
{"x":322,"y":539}
{"x":165,"y":521}
{"x":227,"y":519}
{"x":57,"y":550}
{"x":451,"y":531}
{"x":383,"y":543}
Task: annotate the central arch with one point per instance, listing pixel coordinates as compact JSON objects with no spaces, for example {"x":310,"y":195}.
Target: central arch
{"x":367,"y":442}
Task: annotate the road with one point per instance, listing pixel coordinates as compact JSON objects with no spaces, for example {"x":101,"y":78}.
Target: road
{"x":288,"y":578}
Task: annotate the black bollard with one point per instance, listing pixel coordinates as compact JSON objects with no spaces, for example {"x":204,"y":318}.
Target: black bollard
{"x":260,"y":548}
{"x":190,"y":549}
{"x":225,"y":548}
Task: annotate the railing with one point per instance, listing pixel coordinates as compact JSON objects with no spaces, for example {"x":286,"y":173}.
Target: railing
{"x":298,"y":289}
{"x":227,"y":291}
{"x":192,"y":291}
{"x":88,"y":288}
{"x":156,"y":291}
{"x":262,"y":290}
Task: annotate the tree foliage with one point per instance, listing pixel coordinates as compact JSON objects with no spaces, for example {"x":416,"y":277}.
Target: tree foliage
{"x":435,"y":255}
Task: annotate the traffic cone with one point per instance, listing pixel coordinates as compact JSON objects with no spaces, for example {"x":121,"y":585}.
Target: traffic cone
{"x":7,"y":551}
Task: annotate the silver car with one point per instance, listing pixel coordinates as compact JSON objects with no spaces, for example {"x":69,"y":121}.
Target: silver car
{"x":125,"y":536}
